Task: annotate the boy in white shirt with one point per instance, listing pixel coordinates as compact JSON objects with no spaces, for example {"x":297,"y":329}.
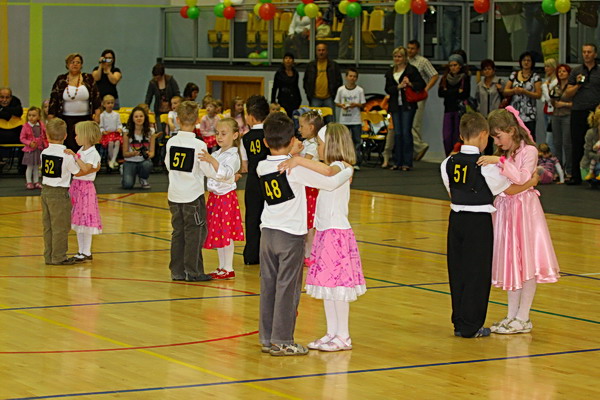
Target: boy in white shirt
{"x":283,"y":230}
{"x":351,"y":99}
{"x":172,"y":116}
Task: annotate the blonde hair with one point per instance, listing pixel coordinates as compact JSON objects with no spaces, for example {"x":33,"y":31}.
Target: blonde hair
{"x":232,"y":123}
{"x":338,"y":144}
{"x":593,"y":119}
{"x":551,"y":62}
{"x":89,"y":132}
{"x":313,"y":118}
{"x":503,"y":120}
{"x":44,"y":116}
{"x":71,"y":57}
{"x":56,"y":129}
{"x":187,"y":112}
{"x":544,"y":148}
{"x":208,"y":97}
{"x":107,"y":98}
{"x":34,"y":108}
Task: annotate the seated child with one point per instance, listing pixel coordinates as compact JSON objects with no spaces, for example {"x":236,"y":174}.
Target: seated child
{"x":549,"y":168}
{"x":208,"y":125}
{"x":172,"y":117}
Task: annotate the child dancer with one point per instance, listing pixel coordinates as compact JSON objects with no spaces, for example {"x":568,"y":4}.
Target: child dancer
{"x":111,"y":129}
{"x":238,"y":113}
{"x":222,"y":209}
{"x":523,"y":252}
{"x":33,"y":136}
{"x":208,"y":125}
{"x":310,"y":123}
{"x":172,"y":117}
{"x":85,"y":215}
{"x":548,"y":166}
{"x":336,"y":273}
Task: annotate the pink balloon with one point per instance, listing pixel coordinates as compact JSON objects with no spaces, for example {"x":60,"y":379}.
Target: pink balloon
{"x":481,"y":6}
{"x":267,"y":11}
{"x":419,"y":6}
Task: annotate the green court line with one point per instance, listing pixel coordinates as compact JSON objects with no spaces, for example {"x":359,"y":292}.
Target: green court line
{"x":492,"y":302}
{"x":36,"y":49}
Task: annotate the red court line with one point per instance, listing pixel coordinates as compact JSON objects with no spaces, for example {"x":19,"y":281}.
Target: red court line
{"x":132,"y":348}
{"x":100,"y":201}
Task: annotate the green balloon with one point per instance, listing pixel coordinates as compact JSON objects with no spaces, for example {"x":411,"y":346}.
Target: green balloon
{"x":193,"y":12}
{"x":300,"y":10}
{"x":353,"y":10}
{"x":266,"y":1}
{"x":263,"y":54}
{"x":218,"y":10}
{"x":549,"y":7}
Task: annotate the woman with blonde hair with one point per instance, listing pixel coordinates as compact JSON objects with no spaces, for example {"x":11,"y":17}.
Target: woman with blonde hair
{"x":547,"y":86}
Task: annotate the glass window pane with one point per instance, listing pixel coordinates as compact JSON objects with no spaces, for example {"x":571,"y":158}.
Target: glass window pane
{"x":381,"y":30}
{"x":297,"y":37}
{"x":583,"y":28}
{"x":179,"y":35}
{"x":478,"y":38}
{"x":213,"y":36}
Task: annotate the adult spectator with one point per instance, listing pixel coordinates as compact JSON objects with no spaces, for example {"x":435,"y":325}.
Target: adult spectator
{"x":285,"y":86}
{"x":454,"y":88}
{"x":584,"y":88}
{"x":430,"y":76}
{"x":10,"y":120}
{"x":190,"y":92}
{"x":322,"y":79}
{"x":107,"y":76}
{"x":488,"y":92}
{"x":297,"y":39}
{"x":400,"y":76}
{"x":549,"y":83}
{"x":74,"y":98}
{"x":525,"y":87}
{"x":161,"y":88}
{"x":561,"y":119}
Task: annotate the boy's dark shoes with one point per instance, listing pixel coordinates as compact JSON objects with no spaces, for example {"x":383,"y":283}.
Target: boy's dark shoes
{"x":199,"y":278}
{"x":178,"y":279}
{"x":457,"y":334}
{"x":68,"y":261}
{"x":482,"y":332}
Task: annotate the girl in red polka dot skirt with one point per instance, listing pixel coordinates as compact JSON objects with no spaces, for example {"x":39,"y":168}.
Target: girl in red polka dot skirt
{"x":222,"y":209}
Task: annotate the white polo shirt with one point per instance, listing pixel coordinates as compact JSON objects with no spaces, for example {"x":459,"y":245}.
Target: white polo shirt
{"x":89,"y":156}
{"x":69,"y":166}
{"x":332,"y":206}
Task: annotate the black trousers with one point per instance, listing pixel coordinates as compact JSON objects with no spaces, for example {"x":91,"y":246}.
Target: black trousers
{"x":254,"y":203}
{"x":579,"y":127}
{"x":470,"y":246}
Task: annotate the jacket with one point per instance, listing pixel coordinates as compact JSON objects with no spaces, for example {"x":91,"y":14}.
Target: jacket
{"x":27,"y":137}
{"x":391,"y":87}
{"x":334,"y":78}
{"x":171,"y":87}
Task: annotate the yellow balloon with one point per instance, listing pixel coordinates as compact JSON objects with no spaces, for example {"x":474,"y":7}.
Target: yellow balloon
{"x":227,"y":3}
{"x":562,"y":6}
{"x":311,"y":10}
{"x":190,"y":3}
{"x":256,"y":8}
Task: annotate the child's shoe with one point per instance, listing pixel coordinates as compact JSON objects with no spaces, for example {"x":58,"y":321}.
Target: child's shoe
{"x":224,"y":275}
{"x":37,"y":185}
{"x":515,"y":326}
{"x":500,"y":323}
{"x":29,"y":186}
{"x":337,"y":344}
{"x":216,"y":272}
{"x":314,"y":345}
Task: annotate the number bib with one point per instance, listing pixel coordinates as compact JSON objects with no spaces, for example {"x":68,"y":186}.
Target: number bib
{"x":51,"y":166}
{"x":275,"y":188}
{"x":181,"y":159}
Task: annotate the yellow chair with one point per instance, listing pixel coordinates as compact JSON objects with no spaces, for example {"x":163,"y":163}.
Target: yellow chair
{"x":376,"y":21}
{"x":367,"y":36}
{"x":375,"y":129}
{"x":279,"y":34}
{"x":220,"y":35}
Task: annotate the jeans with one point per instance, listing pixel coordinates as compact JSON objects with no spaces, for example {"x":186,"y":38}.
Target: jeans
{"x":131,"y":169}
{"x":328,"y":102}
{"x":189,"y":233}
{"x":356,"y":133}
{"x":561,"y":132}
{"x":535,"y":29}
{"x":403,"y":139}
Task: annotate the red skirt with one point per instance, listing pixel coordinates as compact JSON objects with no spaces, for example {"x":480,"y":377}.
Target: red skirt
{"x":311,"y":205}
{"x":110,"y":137}
{"x":211,"y":141}
{"x":224,"y":220}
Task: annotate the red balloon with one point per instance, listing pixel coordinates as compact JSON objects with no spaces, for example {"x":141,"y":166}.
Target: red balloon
{"x":419,"y":6}
{"x":481,"y":6}
{"x":352,"y":1}
{"x":308,"y":1}
{"x":229,"y":12}
{"x":183,"y":11}
{"x":267,"y":11}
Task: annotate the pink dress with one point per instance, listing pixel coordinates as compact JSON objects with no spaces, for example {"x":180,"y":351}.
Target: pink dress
{"x":522,"y":245}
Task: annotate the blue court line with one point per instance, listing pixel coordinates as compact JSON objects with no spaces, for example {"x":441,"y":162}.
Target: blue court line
{"x":579,"y":276}
{"x":316,"y":375}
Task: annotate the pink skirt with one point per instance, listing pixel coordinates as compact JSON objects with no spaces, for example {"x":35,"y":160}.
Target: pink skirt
{"x":224,"y":220}
{"x":522,"y":245}
{"x":110,"y":137}
{"x":336,"y":271}
{"x":85,"y":214}
{"x":311,"y":205}
{"x":211,"y":141}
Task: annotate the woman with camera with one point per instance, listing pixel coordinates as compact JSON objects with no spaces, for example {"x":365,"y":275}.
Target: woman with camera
{"x":107,"y":76}
{"x":138,"y":149}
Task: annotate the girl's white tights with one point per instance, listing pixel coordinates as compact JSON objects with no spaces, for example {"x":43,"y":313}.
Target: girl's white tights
{"x":226,"y":257}
{"x":337,"y":313}
{"x":32,"y":174}
{"x":520,"y":300}
{"x":85,"y":243}
{"x":113,"y":150}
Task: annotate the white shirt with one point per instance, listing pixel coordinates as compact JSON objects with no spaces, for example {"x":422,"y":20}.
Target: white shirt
{"x":173,"y":117}
{"x":110,"y":122}
{"x":491,"y":173}
{"x":185,"y":187}
{"x":89,"y":156}
{"x":290,"y":216}
{"x":299,"y":24}
{"x":350,"y":116}
{"x":243,"y":152}
{"x":223,"y":181}
{"x":69,"y":166}
{"x":332,"y":206}
{"x":310,"y":146}
{"x":79,"y":105}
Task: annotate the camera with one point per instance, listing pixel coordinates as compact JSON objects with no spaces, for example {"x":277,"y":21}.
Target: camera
{"x":581,"y":79}
{"x":143,"y":152}
{"x":107,"y":60}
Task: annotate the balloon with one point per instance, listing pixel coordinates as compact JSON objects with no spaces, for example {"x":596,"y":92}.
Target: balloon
{"x":254,"y":55}
{"x":219,"y":10}
{"x":308,"y":1}
{"x":563,"y":6}
{"x":257,"y":8}
{"x":352,"y":1}
{"x":267,"y":11}
{"x":419,"y":6}
{"x":193,"y":12}
{"x":300,"y":10}
{"x":229,"y":12}
{"x":353,"y":10}
{"x":227,"y":3}
{"x":311,"y":10}
{"x":402,"y":6}
{"x":190,"y":3}
{"x":266,"y":1}
{"x":263,"y":54}
{"x":343,"y":6}
{"x":183,"y":11}
{"x":549,"y":7}
{"x":481,"y":6}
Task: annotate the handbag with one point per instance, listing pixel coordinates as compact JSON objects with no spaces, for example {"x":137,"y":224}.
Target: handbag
{"x":414,"y":97}
{"x":550,"y":47}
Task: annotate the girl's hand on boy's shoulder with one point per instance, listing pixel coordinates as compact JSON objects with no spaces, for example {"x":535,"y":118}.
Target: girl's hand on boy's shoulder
{"x":288,"y":164}
{"x":347,"y":165}
{"x":487,"y":160}
{"x":69,"y":152}
{"x":205,"y":156}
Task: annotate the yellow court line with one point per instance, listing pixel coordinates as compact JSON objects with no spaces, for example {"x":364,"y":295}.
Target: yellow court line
{"x":151,"y":353}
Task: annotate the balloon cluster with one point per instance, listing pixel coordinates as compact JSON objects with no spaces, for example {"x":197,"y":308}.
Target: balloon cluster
{"x":351,"y":8}
{"x":417,"y":6}
{"x":190,"y":10}
{"x":224,"y":10}
{"x":481,"y":6}
{"x":553,"y":6}
{"x":308,"y":8}
{"x":256,"y":55}
{"x":265,"y":9}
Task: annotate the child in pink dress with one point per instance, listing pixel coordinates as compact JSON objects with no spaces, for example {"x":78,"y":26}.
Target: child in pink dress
{"x":208,"y":126}
{"x":523,"y":251}
{"x":33,"y":136}
{"x":335,"y":274}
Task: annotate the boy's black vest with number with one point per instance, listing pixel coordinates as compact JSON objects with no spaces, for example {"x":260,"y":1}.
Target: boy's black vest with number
{"x":467,"y":184}
{"x":255,"y":149}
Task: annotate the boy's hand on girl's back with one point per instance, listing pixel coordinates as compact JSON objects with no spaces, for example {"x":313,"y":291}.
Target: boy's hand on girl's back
{"x":33,"y":144}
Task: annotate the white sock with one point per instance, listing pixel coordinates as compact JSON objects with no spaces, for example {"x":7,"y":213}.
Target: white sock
{"x":330,"y":317}
{"x":29,"y":173}
{"x":342,"y":310}
{"x":309,"y":241}
{"x":85,"y":243}
{"x":228,"y":257}
{"x":221,"y":254}
{"x":36,"y":174}
{"x":526,"y":299}
{"x":514,"y":298}
{"x":115,"y":150}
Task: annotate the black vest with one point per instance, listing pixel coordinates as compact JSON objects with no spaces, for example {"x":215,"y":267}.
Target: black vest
{"x":467,"y":185}
{"x":255,"y":149}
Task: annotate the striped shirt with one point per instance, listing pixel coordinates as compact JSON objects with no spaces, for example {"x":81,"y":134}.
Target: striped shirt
{"x":425,"y":68}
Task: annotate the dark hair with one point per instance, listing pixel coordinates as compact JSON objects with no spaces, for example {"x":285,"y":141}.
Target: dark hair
{"x":114,"y":56}
{"x":352,"y":69}
{"x":189,"y":88}
{"x":279,"y":130}
{"x":158,"y":70}
{"x":471,"y":124}
{"x":527,"y":54}
{"x":488,"y":63}
{"x":415,"y":42}
{"x":290,"y":55}
{"x":131,"y":124}
{"x":258,"y":107}
{"x":591,"y":45}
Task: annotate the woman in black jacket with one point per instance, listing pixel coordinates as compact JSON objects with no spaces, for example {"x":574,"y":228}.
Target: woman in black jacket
{"x":286,"y":83}
{"x":400,"y":76}
{"x":454,"y":88}
{"x":161,"y":89}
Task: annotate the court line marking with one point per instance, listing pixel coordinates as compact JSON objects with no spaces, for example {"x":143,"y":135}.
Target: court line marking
{"x":316,"y":375}
{"x":31,"y":211}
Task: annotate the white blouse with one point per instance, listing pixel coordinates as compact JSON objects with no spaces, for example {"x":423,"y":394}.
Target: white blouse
{"x":332,"y":206}
{"x":79,"y":105}
{"x":223,"y":181}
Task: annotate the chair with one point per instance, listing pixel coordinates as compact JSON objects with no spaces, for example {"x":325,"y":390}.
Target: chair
{"x":279,"y":34}
{"x":375,"y":129}
{"x":219,"y":37}
{"x":367,"y":36}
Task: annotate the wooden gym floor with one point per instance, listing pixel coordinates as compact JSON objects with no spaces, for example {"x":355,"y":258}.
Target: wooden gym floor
{"x":118,"y":327}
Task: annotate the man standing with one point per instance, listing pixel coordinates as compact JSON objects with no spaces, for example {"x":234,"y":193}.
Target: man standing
{"x":430,"y":75}
{"x":322,"y":79}
{"x":584,"y":88}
